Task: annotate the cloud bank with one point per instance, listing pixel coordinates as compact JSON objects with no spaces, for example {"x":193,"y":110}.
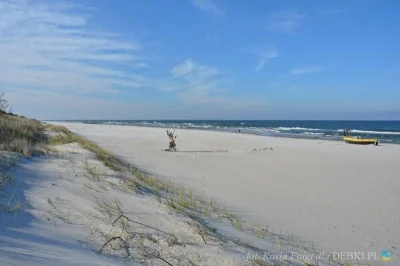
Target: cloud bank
{"x":50,"y":48}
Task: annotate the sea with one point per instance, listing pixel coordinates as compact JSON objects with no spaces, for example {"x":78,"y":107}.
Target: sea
{"x":385,"y":131}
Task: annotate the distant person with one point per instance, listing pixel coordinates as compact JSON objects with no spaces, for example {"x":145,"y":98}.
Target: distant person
{"x":239,"y":130}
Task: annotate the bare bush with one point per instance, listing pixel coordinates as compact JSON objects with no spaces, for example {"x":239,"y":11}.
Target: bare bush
{"x":3,"y":103}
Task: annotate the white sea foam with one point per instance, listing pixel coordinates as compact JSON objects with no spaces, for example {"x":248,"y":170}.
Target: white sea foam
{"x":312,"y":133}
{"x":375,"y":132}
{"x":299,"y":128}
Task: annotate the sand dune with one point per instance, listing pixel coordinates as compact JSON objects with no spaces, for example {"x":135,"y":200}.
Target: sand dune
{"x":342,"y":197}
{"x":69,"y":213}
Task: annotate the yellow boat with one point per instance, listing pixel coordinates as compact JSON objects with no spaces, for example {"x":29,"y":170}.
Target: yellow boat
{"x":352,"y":140}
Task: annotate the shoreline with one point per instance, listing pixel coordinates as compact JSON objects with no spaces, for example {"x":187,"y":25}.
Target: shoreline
{"x":271,"y":135}
{"x":324,"y":193}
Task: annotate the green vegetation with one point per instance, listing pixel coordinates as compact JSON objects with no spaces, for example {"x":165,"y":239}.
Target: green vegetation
{"x":61,"y":135}
{"x":92,"y":171}
{"x":22,"y":135}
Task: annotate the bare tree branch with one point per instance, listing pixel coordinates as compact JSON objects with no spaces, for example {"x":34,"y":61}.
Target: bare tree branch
{"x":123,"y":216}
{"x":3,"y":103}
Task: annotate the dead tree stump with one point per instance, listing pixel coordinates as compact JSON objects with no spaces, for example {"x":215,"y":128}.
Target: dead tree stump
{"x":172,"y":145}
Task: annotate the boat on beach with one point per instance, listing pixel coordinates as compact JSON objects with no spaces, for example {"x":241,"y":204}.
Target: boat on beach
{"x":358,"y":140}
{"x":353,"y":140}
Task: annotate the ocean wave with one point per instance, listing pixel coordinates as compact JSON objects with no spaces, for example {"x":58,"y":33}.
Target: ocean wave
{"x":262,"y":130}
{"x":312,"y":133}
{"x":114,"y":123}
{"x":374,"y":132}
{"x":298,"y":128}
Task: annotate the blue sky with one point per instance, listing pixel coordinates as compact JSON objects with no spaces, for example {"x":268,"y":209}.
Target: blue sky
{"x":201,"y":59}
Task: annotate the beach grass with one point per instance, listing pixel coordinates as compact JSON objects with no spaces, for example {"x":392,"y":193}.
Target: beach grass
{"x":21,"y":135}
{"x":92,"y":171}
{"x":61,"y":136}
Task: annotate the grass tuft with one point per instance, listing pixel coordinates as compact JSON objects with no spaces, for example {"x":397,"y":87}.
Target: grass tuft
{"x":109,"y":208}
{"x":20,"y":134}
{"x":92,"y":171}
{"x":131,"y":185}
{"x":5,"y":180}
{"x":61,"y":135}
{"x":13,"y":205}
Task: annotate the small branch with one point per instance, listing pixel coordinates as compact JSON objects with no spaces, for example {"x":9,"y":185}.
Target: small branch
{"x":154,"y":254}
{"x":148,"y":226}
{"x":115,"y":238}
{"x":157,"y":255}
{"x":200,"y":231}
{"x":52,"y":204}
{"x":160,"y":258}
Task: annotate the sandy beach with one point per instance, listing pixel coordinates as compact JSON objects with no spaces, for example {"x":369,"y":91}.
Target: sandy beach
{"x":340,"y":196}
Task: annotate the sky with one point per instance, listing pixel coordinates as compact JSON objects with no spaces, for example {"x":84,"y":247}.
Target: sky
{"x":201,"y":59}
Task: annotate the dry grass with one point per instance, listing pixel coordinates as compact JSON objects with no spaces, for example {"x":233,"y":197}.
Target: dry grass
{"x":109,"y":208}
{"x":92,"y":171}
{"x":131,"y":185}
{"x":22,"y":135}
{"x":236,"y":221}
{"x":261,"y":231}
{"x":13,"y":204}
{"x":64,"y":136}
{"x":5,"y":179}
{"x":258,"y":262}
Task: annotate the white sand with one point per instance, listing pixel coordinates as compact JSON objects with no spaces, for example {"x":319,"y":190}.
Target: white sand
{"x":344,"y":197}
{"x":59,"y":224}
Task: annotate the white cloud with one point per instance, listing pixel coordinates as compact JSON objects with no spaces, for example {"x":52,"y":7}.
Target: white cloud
{"x":264,"y":53}
{"x":285,"y":21}
{"x":198,"y":83}
{"x":184,"y":68}
{"x":49,"y":47}
{"x":308,"y":69}
{"x":201,"y":85}
{"x":209,"y":6}
{"x":192,"y":68}
{"x":53,"y":65}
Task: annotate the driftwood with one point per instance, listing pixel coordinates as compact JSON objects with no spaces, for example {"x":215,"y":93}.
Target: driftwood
{"x":172,"y":145}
